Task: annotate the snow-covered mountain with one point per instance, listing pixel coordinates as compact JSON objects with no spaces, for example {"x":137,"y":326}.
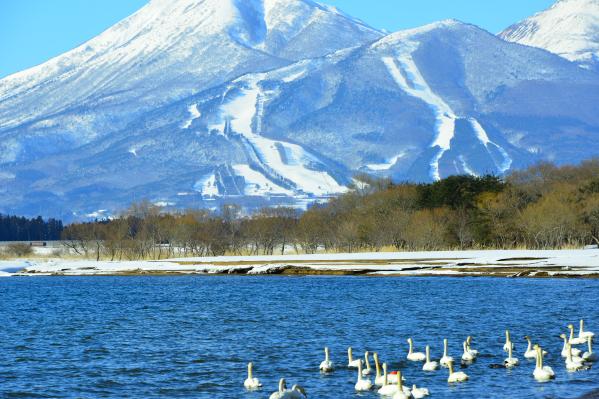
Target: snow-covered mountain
{"x":301,"y":98}
{"x":569,"y":28}
{"x":166,"y":51}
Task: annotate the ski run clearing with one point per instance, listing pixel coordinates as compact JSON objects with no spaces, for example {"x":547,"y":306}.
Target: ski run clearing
{"x":507,"y":263}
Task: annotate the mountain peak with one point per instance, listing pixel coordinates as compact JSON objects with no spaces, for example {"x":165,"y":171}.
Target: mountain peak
{"x":569,"y":28}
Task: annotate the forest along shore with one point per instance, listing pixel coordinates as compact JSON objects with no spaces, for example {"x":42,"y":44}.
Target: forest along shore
{"x":499,"y":263}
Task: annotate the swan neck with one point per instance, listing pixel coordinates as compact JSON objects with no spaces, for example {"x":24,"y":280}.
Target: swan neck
{"x":377,"y":365}
{"x":581,"y":326}
{"x":282,"y":385}
{"x":350,"y":355}
{"x":250,"y":370}
{"x":445,"y":348}
{"x":450,"y":366}
{"x":359,"y":370}
{"x":529,"y":345}
{"x":367,"y":361}
{"x":410,"y":343}
{"x":385,"y":376}
{"x":590,"y":343}
{"x":326,"y":354}
{"x":540,"y":357}
{"x":428,"y":354}
{"x":399,"y":382}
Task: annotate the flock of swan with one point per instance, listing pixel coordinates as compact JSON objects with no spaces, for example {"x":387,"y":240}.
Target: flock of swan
{"x":391,"y":384}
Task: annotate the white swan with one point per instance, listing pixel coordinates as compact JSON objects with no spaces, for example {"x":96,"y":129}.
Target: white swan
{"x":589,"y":356}
{"x":575,"y":340}
{"x":467,"y":356}
{"x":584,"y":334}
{"x":511,"y":361}
{"x":419,"y":393}
{"x":572,"y":363}
{"x":508,"y":341}
{"x":362,"y":384}
{"x":414,"y":356}
{"x":402,"y":392}
{"x":367,"y":370}
{"x":474,"y":352}
{"x":445,"y":359}
{"x":251,"y":382}
{"x":458,"y":376}
{"x":379,"y":380}
{"x":530,"y":352}
{"x":429,"y":365}
{"x":351,"y":362}
{"x":386,"y":388}
{"x":327,"y":365}
{"x":296,"y":392}
{"x":575,"y":351}
{"x":542,"y":373}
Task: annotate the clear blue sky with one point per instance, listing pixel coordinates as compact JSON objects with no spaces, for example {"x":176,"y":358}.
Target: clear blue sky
{"x":32,"y":31}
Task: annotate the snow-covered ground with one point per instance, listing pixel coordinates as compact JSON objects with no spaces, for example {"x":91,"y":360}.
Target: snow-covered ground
{"x":513,"y":263}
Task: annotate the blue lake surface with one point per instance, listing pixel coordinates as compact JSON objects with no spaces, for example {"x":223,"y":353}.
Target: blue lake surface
{"x":192,"y":336}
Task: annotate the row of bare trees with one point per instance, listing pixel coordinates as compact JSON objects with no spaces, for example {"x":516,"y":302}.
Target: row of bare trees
{"x":542,"y":207}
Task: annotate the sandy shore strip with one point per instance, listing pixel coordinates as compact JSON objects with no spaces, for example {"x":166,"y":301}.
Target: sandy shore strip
{"x":508,"y":263}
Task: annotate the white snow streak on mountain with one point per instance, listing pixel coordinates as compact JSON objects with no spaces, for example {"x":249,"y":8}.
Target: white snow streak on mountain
{"x":417,"y":87}
{"x":289,"y":161}
{"x":484,"y":139}
{"x":194,"y":113}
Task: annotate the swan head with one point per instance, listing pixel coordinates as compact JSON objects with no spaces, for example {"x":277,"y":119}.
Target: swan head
{"x":468,"y":339}
{"x":570,"y":327}
{"x":375,"y":356}
{"x":562,"y":336}
{"x":282,"y":385}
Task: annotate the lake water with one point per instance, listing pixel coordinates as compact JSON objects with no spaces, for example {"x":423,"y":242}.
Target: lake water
{"x":192,"y":336}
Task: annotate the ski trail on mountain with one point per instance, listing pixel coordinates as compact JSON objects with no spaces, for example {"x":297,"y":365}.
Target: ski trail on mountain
{"x":417,"y":87}
{"x":288,"y":162}
{"x":483,"y":137}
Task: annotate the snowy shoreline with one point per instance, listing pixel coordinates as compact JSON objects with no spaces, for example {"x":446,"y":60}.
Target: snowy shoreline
{"x":500,"y":263}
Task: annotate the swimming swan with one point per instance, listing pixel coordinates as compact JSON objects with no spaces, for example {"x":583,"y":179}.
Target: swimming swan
{"x":542,"y":373}
{"x":429,"y":365}
{"x":474,"y":352}
{"x":296,"y":392}
{"x":530,"y":352}
{"x":419,"y":393}
{"x":458,"y":376}
{"x":584,"y":334}
{"x":572,"y":363}
{"x":362,"y":384}
{"x":402,"y":392}
{"x":386,"y":388}
{"x":575,"y":340}
{"x":467,"y":356}
{"x":510,"y":361}
{"x":575,"y":351}
{"x":351,"y":363}
{"x":326,"y":366}
{"x":251,"y":383}
{"x":590,"y":356}
{"x":508,"y":341}
{"x":445,"y":359}
{"x":414,"y":356}
{"x":367,"y":370}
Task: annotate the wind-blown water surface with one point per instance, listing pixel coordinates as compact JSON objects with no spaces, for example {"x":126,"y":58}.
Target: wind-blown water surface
{"x":191,"y":337}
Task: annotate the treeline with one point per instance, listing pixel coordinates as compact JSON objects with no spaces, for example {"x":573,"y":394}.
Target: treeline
{"x":14,"y":228}
{"x":542,"y":207}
